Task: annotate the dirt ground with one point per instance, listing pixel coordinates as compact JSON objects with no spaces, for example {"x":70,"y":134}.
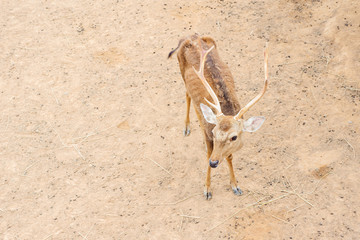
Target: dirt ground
{"x":92,"y":113}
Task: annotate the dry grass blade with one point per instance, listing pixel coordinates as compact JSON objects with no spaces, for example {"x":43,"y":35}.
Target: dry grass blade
{"x":182,"y":221}
{"x":56,"y":99}
{"x":90,"y":230}
{"x":85,"y":237}
{"x":78,"y":151}
{"x":293,"y":209}
{"x":160,"y":166}
{"x":353,"y":89}
{"x":278,"y":170}
{"x":26,"y":169}
{"x":82,"y":236}
{"x":174,"y":203}
{"x":282,"y":220}
{"x":273,"y":200}
{"x":295,"y":193}
{"x":48,"y":237}
{"x":351,"y":147}
{"x":317,"y":184}
{"x":84,"y":138}
{"x":187,"y":216}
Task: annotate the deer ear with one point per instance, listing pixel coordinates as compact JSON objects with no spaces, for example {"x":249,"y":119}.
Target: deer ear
{"x":253,"y":124}
{"x":209,"y":115}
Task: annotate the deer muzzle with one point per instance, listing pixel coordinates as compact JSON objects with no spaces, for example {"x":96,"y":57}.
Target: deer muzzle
{"x":213,"y":164}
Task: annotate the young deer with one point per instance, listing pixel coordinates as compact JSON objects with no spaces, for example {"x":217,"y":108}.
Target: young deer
{"x":212,"y":90}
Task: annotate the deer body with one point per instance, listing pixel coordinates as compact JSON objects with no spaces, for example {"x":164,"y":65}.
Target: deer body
{"x":212,"y":91}
{"x":217,"y":73}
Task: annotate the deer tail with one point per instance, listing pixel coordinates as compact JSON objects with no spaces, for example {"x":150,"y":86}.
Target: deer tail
{"x":174,"y":50}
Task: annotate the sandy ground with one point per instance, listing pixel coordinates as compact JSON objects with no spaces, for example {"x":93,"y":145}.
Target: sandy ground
{"x":92,"y":112}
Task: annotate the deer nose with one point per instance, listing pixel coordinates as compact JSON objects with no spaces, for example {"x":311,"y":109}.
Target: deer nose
{"x":213,"y":164}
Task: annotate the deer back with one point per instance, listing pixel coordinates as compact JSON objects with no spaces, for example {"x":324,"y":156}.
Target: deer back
{"x":216,"y":72}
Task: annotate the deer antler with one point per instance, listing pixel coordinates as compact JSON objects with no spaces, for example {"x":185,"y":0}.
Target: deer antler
{"x":257,"y":98}
{"x":200,"y":74}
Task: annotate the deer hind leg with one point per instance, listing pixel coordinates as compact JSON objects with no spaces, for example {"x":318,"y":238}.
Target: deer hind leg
{"x":187,"y":118}
{"x":233,"y":182}
{"x":207,"y":190}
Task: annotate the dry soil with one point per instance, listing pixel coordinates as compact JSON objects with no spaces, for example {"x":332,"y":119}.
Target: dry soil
{"x":92,"y":113}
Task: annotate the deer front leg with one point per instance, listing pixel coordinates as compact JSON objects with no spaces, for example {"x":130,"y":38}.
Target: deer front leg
{"x":233,"y":182}
{"x":187,"y":118}
{"x":207,"y":190}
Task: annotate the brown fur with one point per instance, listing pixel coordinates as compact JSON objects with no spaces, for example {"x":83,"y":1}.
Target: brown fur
{"x":225,"y":125}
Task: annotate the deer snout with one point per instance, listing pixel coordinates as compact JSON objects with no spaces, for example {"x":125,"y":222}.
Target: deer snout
{"x":213,"y":164}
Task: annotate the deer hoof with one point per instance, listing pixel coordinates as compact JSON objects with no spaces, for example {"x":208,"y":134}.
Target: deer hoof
{"x":208,"y":195}
{"x":237,"y":191}
{"x":187,"y":131}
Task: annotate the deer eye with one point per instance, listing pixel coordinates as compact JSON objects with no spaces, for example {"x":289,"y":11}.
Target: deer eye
{"x":233,"y":138}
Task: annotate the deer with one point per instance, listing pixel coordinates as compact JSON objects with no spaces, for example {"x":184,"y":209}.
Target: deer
{"x":212,"y":91}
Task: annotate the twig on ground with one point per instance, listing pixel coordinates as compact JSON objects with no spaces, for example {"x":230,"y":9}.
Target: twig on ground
{"x":275,"y":109}
{"x":111,"y":215}
{"x":282,"y":220}
{"x":292,"y":157}
{"x":287,"y":182}
{"x":273,"y":135}
{"x":304,"y":199}
{"x":53,"y":94}
{"x":182,"y":221}
{"x":297,"y":194}
{"x":189,"y":216}
{"x":313,"y":95}
{"x":75,"y":146}
{"x":58,"y":135}
{"x":90,"y":230}
{"x":353,"y":89}
{"x":174,"y":203}
{"x":83,"y":138}
{"x":289,"y":63}
{"x":274,"y":199}
{"x":47,"y":237}
{"x":278,"y":170}
{"x":26,"y":169}
{"x":296,"y":83}
{"x":156,"y":109}
{"x":7,"y":124}
{"x":317,"y":184}
{"x":82,"y":236}
{"x":96,"y":139}
{"x":85,"y":237}
{"x":77,"y":149}
{"x":160,"y":166}
{"x":293,"y":209}
{"x":351,"y":147}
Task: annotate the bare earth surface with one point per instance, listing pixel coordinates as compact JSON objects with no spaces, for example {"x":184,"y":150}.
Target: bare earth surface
{"x":92,"y":113}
